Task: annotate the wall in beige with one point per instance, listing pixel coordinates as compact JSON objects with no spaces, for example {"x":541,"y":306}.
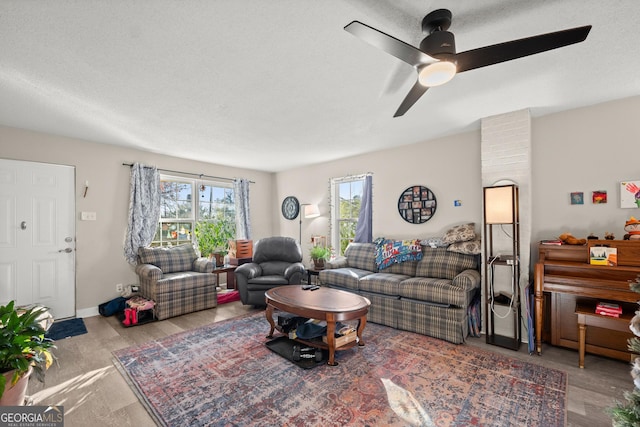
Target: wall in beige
{"x":99,"y":260}
{"x":449,"y":166}
{"x":585,"y":149}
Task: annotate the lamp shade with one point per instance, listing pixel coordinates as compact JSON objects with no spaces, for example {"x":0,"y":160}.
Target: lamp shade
{"x":500,"y":204}
{"x":437,"y":74}
{"x":311,"y":211}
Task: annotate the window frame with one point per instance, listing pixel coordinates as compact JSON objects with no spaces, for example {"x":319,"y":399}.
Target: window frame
{"x":336,"y":220}
{"x":195,"y":215}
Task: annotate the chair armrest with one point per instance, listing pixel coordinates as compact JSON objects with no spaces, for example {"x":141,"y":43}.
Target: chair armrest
{"x":249,"y":270}
{"x":203,"y":265}
{"x":338,"y":262}
{"x":149,"y":272}
{"x":467,"y":279}
{"x":296,"y":267}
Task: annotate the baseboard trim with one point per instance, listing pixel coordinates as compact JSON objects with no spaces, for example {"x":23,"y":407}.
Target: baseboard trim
{"x":87,"y":312}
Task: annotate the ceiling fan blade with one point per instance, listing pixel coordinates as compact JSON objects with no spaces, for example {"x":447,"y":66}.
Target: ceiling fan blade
{"x":494,"y":54}
{"x":401,"y":50}
{"x":414,"y":94}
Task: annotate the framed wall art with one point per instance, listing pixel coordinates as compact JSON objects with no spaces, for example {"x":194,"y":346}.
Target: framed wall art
{"x":577,"y":198}
{"x":599,"y":197}
{"x":417,"y":204}
{"x":630,"y":194}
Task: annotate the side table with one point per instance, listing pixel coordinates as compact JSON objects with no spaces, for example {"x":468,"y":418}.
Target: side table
{"x":231,"y":278}
{"x":312,"y":272}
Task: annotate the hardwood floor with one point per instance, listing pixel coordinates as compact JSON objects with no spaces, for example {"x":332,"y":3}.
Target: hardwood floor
{"x":94,"y":393}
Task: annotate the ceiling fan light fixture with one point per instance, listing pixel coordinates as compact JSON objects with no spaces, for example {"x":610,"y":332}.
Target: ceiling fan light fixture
{"x":437,"y":74}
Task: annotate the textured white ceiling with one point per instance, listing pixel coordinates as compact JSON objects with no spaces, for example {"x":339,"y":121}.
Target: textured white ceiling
{"x":272,"y":85}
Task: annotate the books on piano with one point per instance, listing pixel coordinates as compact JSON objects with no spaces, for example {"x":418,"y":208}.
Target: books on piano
{"x":609,"y":309}
{"x":551,"y":242}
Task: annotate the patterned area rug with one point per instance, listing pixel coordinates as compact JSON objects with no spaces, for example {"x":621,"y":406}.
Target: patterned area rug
{"x":223,"y":374}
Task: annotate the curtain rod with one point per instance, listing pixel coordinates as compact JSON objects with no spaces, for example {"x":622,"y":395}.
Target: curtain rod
{"x":200,"y":175}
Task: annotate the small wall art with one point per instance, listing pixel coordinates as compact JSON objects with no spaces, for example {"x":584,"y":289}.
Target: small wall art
{"x":577,"y":198}
{"x":599,"y":197}
{"x":630,"y":194}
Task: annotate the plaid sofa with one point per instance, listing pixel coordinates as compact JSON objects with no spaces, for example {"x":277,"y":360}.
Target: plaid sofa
{"x":176,"y":279}
{"x":431,"y":296}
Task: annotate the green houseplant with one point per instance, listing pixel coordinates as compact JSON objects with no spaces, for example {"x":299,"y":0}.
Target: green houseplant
{"x":213,"y":237}
{"x":23,"y":349}
{"x":320,"y":254}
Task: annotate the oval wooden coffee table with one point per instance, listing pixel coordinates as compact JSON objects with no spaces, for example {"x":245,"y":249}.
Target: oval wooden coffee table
{"x":331,"y":305}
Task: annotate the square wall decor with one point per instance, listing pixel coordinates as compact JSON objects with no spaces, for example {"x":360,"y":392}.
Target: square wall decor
{"x":630,"y":194}
{"x":599,"y":197}
{"x":577,"y":198}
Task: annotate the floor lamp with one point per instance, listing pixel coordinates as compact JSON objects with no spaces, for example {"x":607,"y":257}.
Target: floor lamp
{"x":501,"y":209}
{"x":309,"y":211}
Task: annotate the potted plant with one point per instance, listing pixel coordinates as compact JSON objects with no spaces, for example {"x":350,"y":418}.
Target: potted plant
{"x":320,"y":254}
{"x":213,"y":237}
{"x":23,"y":350}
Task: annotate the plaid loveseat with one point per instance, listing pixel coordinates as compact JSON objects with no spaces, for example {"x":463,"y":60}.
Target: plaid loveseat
{"x":430,"y":296}
{"x":176,"y":279}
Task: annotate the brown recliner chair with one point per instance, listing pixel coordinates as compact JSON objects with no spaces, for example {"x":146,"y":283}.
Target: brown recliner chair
{"x":277,"y":261}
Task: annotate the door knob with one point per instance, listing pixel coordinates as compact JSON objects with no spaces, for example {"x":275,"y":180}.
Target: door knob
{"x":67,"y":250}
{"x":23,"y":225}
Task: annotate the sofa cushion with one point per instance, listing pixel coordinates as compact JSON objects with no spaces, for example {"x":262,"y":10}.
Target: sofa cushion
{"x":441,"y":291}
{"x":382,"y":283}
{"x":271,"y":268}
{"x":343,"y":277}
{"x":169,"y":259}
{"x":267,"y":280}
{"x":441,"y":264}
{"x":434,"y":242}
{"x":460,"y":233}
{"x":362,"y":256}
{"x":279,"y":248}
{"x":389,"y":251}
{"x":408,"y":268}
{"x":184,"y":280}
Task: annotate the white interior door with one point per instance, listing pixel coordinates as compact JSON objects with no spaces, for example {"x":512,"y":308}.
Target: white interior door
{"x":37,"y":235}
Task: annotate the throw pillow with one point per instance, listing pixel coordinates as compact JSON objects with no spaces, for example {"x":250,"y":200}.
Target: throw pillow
{"x":460,"y":233}
{"x":434,"y":242}
{"x":471,"y":247}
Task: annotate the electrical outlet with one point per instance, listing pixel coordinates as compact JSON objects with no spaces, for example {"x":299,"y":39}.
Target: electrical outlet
{"x":119,"y":287}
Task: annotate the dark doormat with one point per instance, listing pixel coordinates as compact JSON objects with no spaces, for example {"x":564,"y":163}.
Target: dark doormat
{"x":66,"y":328}
{"x":284,"y":347}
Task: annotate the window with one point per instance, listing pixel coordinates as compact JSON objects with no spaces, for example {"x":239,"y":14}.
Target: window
{"x":181,"y":214}
{"x":346,"y":194}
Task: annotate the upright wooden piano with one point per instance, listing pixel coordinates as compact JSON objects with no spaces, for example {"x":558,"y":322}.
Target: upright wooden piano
{"x":564,"y":276}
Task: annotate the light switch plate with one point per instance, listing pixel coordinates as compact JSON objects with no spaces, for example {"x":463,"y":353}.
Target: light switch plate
{"x":88,"y":216}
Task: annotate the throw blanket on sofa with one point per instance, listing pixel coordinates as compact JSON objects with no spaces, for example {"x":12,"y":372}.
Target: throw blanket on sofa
{"x":390,"y":252}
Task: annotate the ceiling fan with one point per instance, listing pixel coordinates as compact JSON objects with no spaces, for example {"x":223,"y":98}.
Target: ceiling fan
{"x":436,"y":60}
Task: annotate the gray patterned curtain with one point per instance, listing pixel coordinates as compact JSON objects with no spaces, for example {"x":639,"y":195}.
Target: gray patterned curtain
{"x":144,"y":209}
{"x":364,"y":226}
{"x":243,"y":221}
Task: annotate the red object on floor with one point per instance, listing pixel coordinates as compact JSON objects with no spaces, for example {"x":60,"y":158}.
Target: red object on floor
{"x":228,"y":297}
